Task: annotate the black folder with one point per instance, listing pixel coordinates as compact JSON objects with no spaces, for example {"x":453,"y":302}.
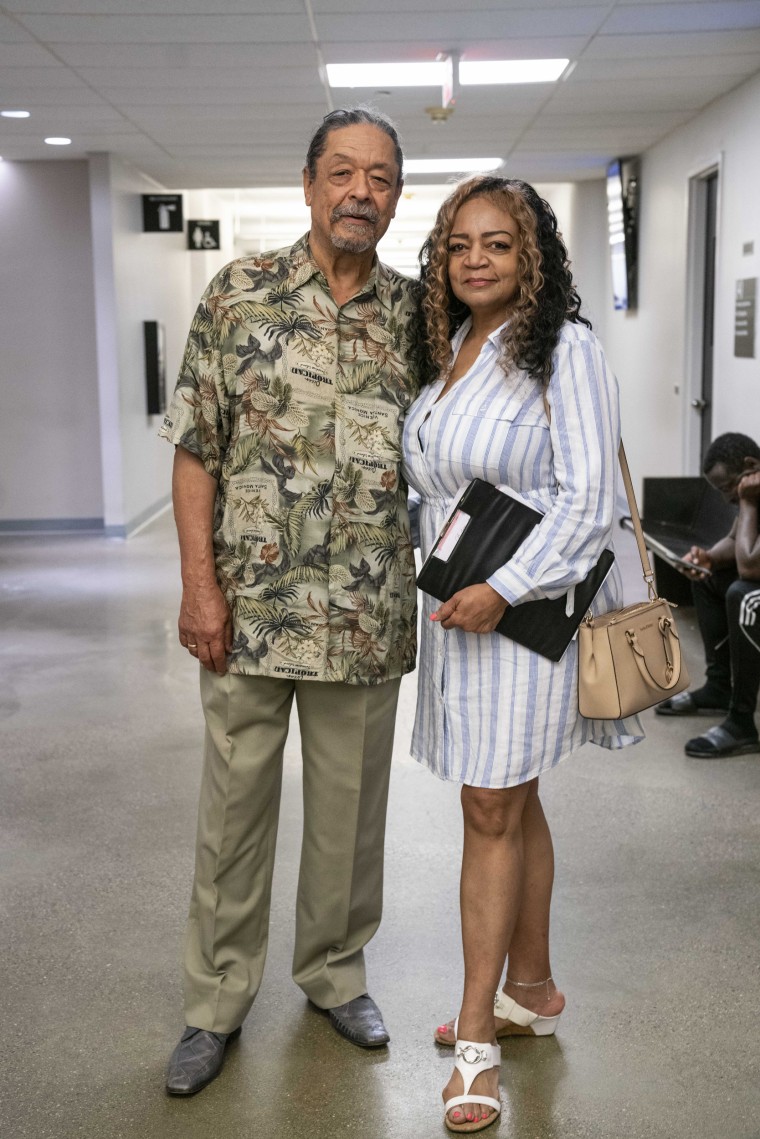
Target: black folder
{"x":482,"y":534}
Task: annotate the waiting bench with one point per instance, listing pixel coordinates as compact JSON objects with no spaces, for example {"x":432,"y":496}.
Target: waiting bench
{"x":681,"y":513}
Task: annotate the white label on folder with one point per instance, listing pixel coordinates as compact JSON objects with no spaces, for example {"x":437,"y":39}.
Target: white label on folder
{"x":451,"y":536}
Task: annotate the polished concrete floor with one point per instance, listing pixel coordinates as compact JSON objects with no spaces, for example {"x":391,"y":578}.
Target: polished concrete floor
{"x":656,"y":915}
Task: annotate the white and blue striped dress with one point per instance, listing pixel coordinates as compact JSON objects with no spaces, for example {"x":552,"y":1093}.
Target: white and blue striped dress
{"x":491,"y":713}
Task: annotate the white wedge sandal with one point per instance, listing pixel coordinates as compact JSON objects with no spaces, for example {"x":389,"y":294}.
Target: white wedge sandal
{"x":470,"y":1059}
{"x":520,"y":1021}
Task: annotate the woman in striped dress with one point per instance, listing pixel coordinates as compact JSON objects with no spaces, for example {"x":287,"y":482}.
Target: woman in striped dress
{"x":524,"y":399}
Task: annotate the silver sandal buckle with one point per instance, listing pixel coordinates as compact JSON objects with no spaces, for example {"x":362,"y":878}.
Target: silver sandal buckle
{"x":472,"y":1055}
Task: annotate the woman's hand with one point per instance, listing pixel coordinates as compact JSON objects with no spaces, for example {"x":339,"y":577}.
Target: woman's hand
{"x":476,"y":609}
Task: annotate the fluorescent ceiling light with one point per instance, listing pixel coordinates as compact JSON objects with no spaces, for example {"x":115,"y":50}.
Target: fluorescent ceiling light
{"x":15,"y":114}
{"x":510,"y":70}
{"x":58,"y":141}
{"x":386,"y":74}
{"x":449,"y":165}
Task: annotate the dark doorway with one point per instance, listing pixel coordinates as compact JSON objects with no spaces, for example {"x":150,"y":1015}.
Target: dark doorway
{"x":703,"y":403}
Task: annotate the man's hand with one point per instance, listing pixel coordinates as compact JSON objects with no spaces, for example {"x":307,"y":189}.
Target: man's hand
{"x":698,"y":557}
{"x":205,"y":626}
{"x":749,"y":487}
{"x":205,"y":622}
{"x":476,"y":609}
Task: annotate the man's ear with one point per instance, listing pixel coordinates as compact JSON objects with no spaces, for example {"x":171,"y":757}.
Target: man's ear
{"x":751,"y":463}
{"x":398,"y":195}
{"x":307,"y":185}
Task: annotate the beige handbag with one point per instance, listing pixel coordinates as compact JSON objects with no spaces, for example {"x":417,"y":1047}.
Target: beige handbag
{"x":629,"y":659}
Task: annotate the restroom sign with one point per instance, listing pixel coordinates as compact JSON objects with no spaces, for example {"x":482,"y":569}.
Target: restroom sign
{"x":203,"y":235}
{"x":162,"y":213}
{"x":744,"y":317}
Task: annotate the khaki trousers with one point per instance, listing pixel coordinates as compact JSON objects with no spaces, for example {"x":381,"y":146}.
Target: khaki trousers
{"x":346,"y":743}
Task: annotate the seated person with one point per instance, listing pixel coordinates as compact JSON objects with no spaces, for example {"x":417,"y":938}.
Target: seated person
{"x":728,"y":609}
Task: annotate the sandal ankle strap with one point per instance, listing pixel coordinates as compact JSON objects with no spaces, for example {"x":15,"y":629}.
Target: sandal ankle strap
{"x":507,"y":1009}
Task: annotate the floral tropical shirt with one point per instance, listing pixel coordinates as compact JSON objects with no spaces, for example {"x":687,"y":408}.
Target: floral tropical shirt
{"x":296,"y":406}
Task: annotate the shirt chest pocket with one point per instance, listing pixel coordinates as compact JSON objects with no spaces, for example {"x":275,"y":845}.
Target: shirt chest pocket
{"x":503,"y":446}
{"x":500,"y":419}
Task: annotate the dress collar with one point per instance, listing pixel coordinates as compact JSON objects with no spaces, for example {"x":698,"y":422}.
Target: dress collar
{"x":493,"y":338}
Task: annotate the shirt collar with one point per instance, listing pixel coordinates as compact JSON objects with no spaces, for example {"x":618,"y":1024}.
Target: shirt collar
{"x":304,"y":267}
{"x":493,"y":338}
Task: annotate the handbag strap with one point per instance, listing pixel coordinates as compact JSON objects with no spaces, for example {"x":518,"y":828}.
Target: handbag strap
{"x":630,"y":494}
{"x":636,"y":520}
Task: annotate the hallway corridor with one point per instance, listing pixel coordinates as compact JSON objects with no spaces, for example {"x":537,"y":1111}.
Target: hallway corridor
{"x":655,"y":921}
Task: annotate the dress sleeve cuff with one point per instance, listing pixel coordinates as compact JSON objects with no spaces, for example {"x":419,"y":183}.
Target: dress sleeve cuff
{"x":513,"y":587}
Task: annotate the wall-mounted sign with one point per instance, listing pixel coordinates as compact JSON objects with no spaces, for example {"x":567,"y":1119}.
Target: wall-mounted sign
{"x":744,"y":317}
{"x":203,"y":235}
{"x":162,"y":213}
{"x":155,"y":366}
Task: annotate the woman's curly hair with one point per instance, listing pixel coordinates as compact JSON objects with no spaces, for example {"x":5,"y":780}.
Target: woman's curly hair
{"x":546,"y":296}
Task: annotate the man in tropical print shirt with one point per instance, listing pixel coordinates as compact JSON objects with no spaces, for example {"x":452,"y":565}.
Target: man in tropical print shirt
{"x":298,"y":581}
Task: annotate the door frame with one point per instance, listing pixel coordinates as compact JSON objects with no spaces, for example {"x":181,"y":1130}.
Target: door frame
{"x":695,"y":281}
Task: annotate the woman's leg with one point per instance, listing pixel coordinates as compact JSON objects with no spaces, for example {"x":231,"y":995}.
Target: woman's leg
{"x":529,"y":943}
{"x":490,"y":896}
{"x":529,"y":948}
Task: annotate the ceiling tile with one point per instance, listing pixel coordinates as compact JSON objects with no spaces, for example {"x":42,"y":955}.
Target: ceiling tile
{"x":505,"y":8}
{"x":670,"y":44}
{"x":146,"y":79}
{"x":154,"y":7}
{"x":688,"y":93}
{"x":39,"y":78}
{"x":31,"y":97}
{"x":215,"y":96}
{"x":694,"y":17}
{"x":166,"y":55}
{"x":664,"y":66}
{"x":26,"y":55}
{"x":455,"y":29}
{"x":286,"y":82}
{"x":168,"y":29}
{"x":353,"y":51}
{"x":11,"y":32}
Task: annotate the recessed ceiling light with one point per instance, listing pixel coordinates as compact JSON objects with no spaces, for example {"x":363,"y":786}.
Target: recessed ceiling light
{"x":58,"y":141}
{"x":386,"y":74}
{"x":449,"y":165}
{"x":510,"y":70}
{"x":15,"y":114}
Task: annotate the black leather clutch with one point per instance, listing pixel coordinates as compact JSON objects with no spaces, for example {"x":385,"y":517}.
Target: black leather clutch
{"x":482,"y":534}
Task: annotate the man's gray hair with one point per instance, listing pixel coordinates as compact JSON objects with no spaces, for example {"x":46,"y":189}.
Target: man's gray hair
{"x":352,"y":117}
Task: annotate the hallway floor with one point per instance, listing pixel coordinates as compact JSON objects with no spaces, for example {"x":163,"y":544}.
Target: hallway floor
{"x":655,"y":922}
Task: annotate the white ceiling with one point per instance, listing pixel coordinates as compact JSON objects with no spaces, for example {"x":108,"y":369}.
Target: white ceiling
{"x":225,"y":93}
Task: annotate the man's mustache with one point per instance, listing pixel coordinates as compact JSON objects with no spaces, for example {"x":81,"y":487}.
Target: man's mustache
{"x":360,"y":210}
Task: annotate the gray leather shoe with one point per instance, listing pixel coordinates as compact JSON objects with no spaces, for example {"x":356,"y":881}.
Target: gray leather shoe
{"x":196,"y":1060}
{"x":360,"y":1021}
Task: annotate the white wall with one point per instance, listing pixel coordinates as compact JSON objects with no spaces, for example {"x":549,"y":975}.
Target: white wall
{"x":150,"y":281}
{"x":205,"y":264}
{"x":647,"y":348}
{"x":77,"y":447}
{"x":586,"y":238}
{"x":50,"y":451}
